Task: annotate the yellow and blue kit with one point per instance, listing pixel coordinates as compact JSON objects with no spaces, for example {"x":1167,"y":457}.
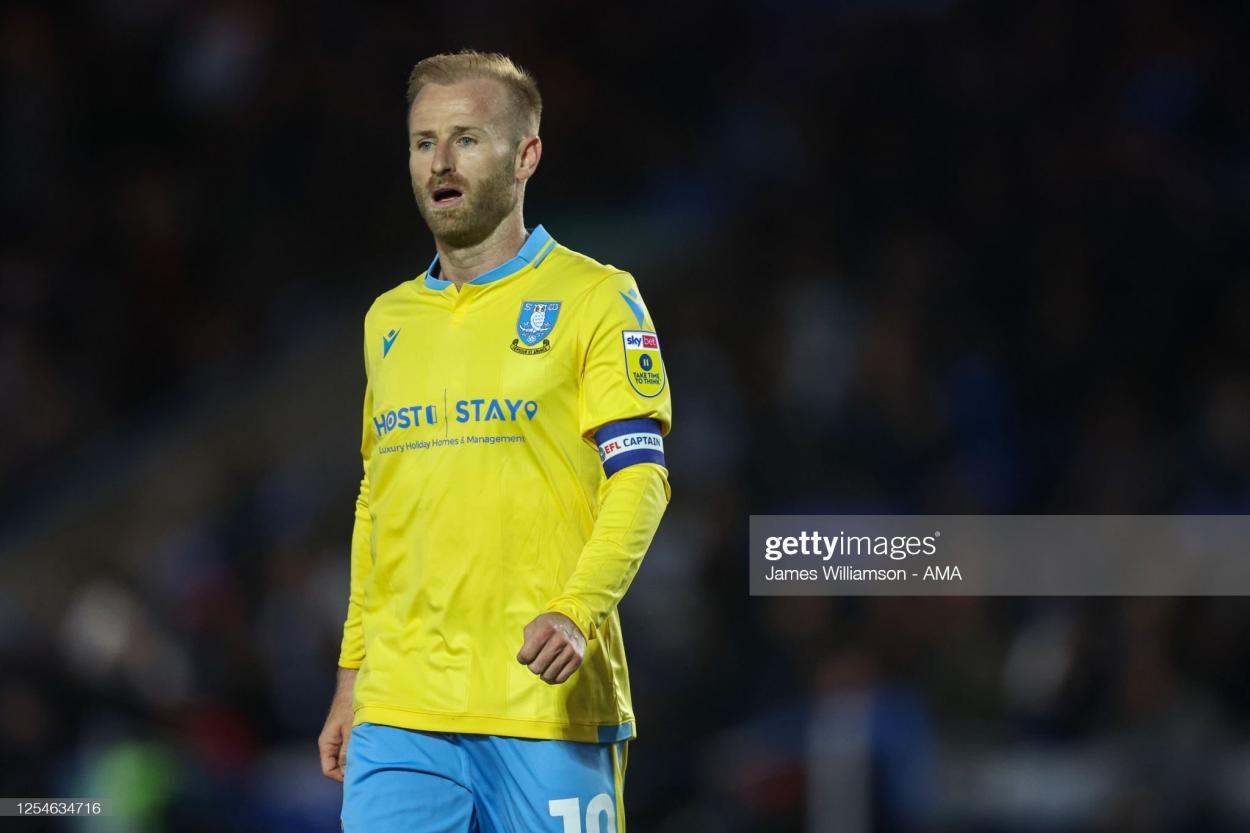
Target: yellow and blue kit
{"x":513,"y":464}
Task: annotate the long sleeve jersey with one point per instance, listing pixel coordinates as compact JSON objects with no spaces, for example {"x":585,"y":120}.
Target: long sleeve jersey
{"x":513,"y":464}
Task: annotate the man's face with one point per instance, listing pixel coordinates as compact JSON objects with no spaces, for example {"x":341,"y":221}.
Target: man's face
{"x":462,"y":154}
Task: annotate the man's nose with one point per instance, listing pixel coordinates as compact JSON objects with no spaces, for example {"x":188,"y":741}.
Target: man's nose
{"x":444,"y":160}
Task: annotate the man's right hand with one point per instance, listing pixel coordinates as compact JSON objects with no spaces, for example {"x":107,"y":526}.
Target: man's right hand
{"x":332,"y":743}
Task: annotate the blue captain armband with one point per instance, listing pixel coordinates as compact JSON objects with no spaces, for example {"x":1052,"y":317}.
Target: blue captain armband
{"x":629,"y":442}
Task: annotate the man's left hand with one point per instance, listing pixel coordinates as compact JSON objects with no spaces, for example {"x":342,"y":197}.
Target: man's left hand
{"x":553,"y":647}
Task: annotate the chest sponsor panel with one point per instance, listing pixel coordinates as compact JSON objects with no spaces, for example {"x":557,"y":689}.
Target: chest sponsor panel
{"x":447,"y":381}
{"x":459,"y":412}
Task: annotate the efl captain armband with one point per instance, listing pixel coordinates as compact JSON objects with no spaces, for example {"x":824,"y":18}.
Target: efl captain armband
{"x":629,"y":442}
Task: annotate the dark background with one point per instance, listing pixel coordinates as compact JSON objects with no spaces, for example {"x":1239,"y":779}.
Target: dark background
{"x":906,"y":256}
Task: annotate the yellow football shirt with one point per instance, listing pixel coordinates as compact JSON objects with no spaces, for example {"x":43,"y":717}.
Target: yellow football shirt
{"x":482,"y":485}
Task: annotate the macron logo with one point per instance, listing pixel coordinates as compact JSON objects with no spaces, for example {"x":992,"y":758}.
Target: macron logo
{"x":388,"y":340}
{"x":634,"y":307}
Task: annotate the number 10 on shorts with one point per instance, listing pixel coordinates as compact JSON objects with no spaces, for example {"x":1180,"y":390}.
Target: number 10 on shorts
{"x":570,"y":809}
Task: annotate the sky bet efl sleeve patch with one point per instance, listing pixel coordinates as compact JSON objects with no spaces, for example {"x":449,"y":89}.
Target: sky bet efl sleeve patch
{"x":629,"y":442}
{"x":643,"y":365}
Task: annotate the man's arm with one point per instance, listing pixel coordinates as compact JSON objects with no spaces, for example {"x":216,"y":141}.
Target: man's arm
{"x":624,"y":408}
{"x":632,"y":501}
{"x":352,"y":650}
{"x":332,"y":743}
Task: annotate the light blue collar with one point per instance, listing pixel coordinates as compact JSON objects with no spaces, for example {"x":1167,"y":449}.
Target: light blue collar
{"x":533,"y":252}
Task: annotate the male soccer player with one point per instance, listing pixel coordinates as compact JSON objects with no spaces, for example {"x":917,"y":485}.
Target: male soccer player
{"x":514,"y":476}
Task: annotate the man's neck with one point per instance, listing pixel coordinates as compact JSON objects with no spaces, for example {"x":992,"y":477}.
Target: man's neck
{"x":463,"y":265}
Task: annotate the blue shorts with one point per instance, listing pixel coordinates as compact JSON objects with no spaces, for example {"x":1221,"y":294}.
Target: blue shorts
{"x":437,"y":782}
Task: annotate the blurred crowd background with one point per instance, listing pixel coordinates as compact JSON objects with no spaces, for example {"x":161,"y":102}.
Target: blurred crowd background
{"x":906,"y":256}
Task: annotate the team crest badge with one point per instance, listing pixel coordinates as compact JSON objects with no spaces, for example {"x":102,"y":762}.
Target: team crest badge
{"x":537,"y":320}
{"x":643,"y":364}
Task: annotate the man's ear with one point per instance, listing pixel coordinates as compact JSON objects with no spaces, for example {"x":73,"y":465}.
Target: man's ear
{"x":529,"y":151}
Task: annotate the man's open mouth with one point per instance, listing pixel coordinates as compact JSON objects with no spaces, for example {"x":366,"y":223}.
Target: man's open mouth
{"x":446,"y":196}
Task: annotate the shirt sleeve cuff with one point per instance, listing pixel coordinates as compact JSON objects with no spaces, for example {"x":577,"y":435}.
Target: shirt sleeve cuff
{"x":576,"y":611}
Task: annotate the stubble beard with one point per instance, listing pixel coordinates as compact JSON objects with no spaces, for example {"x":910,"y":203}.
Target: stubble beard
{"x":479,"y":213}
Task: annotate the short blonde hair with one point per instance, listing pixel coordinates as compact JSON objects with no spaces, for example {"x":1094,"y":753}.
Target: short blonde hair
{"x":467,"y":65}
